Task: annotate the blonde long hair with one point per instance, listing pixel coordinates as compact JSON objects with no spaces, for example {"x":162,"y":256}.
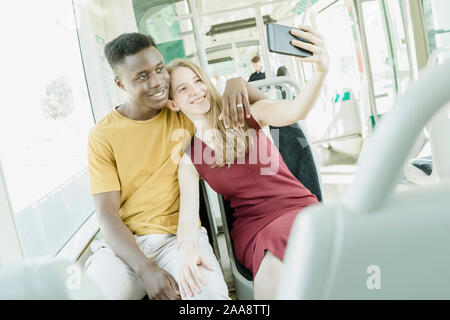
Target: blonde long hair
{"x":232,"y":142}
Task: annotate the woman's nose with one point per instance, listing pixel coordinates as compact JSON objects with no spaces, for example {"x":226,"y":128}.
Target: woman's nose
{"x":194,"y":90}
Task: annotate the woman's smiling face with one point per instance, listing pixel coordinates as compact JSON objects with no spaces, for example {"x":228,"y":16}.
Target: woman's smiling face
{"x":189,"y":92}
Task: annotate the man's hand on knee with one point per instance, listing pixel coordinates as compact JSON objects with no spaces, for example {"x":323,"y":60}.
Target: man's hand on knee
{"x":159,"y":284}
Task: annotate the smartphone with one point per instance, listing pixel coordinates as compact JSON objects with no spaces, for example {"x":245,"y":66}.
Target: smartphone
{"x":279,"y":40}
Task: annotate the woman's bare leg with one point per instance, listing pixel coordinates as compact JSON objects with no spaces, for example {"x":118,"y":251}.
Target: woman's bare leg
{"x":265,"y":283}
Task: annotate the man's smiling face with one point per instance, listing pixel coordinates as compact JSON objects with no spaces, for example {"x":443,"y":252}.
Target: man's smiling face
{"x":144,"y":77}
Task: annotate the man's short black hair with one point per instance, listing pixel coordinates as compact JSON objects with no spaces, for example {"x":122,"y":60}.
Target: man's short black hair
{"x":125,"y":45}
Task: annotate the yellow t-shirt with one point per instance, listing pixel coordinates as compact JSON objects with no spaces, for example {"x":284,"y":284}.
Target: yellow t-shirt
{"x":140,"y":159}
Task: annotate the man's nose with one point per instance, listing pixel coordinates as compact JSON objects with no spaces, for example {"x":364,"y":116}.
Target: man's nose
{"x":155,"y":80}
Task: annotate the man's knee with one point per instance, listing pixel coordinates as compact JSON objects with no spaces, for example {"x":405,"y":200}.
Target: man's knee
{"x":113,"y":278}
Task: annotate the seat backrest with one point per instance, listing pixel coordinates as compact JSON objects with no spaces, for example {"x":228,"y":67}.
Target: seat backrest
{"x":297,"y":154}
{"x":399,"y":251}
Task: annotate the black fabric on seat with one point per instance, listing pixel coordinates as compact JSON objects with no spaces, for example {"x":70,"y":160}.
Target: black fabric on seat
{"x":297,"y":155}
{"x":204,"y":214}
{"x":425,"y":164}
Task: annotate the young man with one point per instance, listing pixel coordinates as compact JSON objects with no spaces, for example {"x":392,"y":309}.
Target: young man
{"x":258,"y":74}
{"x":134,"y":180}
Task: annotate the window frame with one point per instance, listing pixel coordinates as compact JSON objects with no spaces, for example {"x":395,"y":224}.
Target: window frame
{"x":10,"y":245}
{"x":78,"y":243}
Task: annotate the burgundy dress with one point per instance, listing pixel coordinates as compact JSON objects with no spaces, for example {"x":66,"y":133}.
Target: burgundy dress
{"x":265,"y":196}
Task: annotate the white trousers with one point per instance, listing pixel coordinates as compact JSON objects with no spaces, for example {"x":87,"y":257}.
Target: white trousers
{"x":116,"y":280}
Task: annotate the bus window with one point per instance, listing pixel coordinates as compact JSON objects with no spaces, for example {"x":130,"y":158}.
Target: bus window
{"x":46,"y":117}
{"x":437,"y":23}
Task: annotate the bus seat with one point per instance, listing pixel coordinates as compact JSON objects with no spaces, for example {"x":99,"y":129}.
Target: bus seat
{"x":378,"y":242}
{"x":425,"y":164}
{"x":340,"y":126}
{"x":345,"y":130}
{"x":419,"y":170}
{"x":297,"y":154}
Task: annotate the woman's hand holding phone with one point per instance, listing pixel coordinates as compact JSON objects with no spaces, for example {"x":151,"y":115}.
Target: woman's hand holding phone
{"x":317,"y":47}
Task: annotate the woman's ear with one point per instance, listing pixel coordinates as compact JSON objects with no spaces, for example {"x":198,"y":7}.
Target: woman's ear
{"x":172,"y":106}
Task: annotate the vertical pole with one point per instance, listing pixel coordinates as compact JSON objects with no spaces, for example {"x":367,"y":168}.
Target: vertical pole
{"x":236,"y":57}
{"x":196,"y":26}
{"x":262,"y":35}
{"x":366,"y":59}
{"x":387,"y":26}
{"x":416,"y":35}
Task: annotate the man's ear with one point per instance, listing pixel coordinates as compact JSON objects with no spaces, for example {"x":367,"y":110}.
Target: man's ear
{"x":172,"y":106}
{"x":119,"y":83}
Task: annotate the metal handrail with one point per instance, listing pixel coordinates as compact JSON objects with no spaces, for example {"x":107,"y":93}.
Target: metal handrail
{"x":277,"y":81}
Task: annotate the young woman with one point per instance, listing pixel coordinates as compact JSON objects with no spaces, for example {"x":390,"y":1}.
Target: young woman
{"x":244,"y":166}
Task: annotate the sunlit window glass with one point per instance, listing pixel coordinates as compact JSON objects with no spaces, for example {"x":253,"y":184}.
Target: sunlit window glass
{"x":437,"y":23}
{"x":46,"y":117}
